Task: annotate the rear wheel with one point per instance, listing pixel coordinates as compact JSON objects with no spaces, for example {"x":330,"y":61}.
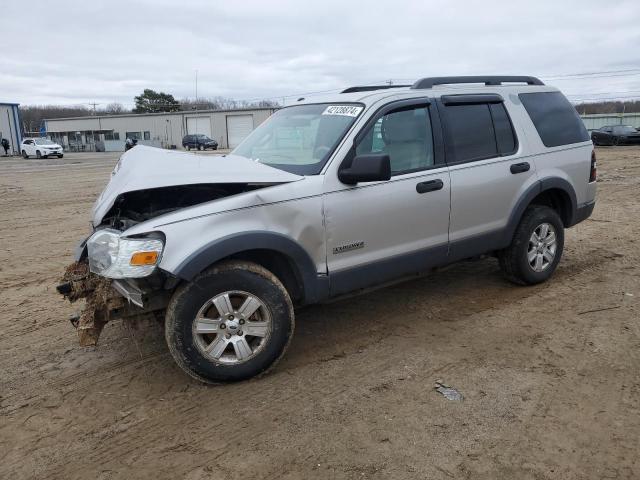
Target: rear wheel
{"x":24,"y":154}
{"x":536,"y":247}
{"x":232,"y":322}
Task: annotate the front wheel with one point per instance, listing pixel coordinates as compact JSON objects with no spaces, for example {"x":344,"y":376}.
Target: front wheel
{"x":201,"y":147}
{"x":536,"y":247}
{"x":38,"y":154}
{"x":232,"y":322}
{"x":61,"y":155}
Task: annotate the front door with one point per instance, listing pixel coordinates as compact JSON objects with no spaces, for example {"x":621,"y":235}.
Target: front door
{"x":378,"y":231}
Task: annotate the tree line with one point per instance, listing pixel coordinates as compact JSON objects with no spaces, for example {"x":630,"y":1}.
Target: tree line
{"x":149,"y":101}
{"x":632,"y":106}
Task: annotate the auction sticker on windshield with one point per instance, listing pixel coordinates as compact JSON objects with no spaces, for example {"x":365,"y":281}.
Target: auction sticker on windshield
{"x":347,"y":110}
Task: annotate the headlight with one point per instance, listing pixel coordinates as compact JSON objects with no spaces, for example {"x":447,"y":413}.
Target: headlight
{"x":112,"y":256}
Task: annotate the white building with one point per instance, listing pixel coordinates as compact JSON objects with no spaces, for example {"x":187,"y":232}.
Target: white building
{"x":10,"y":126}
{"x":109,"y":132}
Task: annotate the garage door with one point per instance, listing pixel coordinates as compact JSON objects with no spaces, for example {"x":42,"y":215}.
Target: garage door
{"x":199,"y":125}
{"x":238,"y":127}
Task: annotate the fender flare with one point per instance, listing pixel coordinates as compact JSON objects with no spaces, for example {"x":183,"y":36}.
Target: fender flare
{"x":216,"y":250}
{"x":532,"y":192}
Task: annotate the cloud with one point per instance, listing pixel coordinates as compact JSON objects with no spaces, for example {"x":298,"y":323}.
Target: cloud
{"x":70,"y":52}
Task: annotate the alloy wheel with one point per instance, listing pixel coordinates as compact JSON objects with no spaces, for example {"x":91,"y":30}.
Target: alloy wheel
{"x":232,"y":327}
{"x":542,"y":247}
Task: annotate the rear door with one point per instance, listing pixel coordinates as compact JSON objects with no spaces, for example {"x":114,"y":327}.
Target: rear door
{"x":487,"y":174}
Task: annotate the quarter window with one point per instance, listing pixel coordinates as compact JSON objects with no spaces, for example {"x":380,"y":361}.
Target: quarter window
{"x":405,"y":135}
{"x":555,"y":119}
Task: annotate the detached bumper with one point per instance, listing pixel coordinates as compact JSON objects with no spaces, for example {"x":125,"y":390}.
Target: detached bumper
{"x":105,"y":300}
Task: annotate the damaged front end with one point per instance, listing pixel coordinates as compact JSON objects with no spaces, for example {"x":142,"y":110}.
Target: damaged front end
{"x":118,"y":269}
{"x":106,"y":300}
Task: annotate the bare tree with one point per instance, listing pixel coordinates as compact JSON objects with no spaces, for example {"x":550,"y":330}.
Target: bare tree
{"x":115,"y":108}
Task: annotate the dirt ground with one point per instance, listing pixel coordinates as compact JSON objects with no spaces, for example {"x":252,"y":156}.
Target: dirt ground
{"x":551,"y":385}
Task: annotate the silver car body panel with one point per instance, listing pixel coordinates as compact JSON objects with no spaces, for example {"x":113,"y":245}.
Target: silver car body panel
{"x":291,"y":209}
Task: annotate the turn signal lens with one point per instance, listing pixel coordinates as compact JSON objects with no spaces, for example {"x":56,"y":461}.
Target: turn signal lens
{"x":144,"y":258}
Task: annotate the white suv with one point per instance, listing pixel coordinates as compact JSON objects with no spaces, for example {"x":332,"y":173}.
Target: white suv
{"x":326,"y":198}
{"x":40,"y":148}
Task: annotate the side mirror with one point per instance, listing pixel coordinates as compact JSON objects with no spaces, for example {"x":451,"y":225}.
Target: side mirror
{"x":373,"y":167}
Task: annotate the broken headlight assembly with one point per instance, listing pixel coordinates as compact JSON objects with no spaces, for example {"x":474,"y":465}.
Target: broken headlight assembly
{"x":113,"y":256}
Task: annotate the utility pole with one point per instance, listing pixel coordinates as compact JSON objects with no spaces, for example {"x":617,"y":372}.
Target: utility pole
{"x":196,"y":89}
{"x":94,"y":107}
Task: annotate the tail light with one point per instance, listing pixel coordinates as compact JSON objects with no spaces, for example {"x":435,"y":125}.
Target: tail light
{"x":593,"y":175}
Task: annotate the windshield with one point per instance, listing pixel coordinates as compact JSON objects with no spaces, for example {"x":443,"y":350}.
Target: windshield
{"x":299,"y":139}
{"x":44,"y":141}
{"x":624,"y":129}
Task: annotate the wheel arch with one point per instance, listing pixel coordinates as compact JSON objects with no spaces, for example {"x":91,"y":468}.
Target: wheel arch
{"x":276,"y":252}
{"x":554,"y":192}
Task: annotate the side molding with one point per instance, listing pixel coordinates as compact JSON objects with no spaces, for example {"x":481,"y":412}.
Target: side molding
{"x":314,"y":285}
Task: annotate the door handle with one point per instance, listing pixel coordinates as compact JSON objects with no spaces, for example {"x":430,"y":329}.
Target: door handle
{"x":520,"y":167}
{"x":429,"y":186}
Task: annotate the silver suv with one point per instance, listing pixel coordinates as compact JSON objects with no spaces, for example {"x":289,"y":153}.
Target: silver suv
{"x":330,"y":197}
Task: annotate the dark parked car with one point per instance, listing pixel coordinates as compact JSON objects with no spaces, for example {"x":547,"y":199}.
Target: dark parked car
{"x":616,"y":135}
{"x":199,"y":142}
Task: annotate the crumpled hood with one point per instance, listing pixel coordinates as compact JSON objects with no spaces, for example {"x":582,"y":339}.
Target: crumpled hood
{"x":145,"y":167}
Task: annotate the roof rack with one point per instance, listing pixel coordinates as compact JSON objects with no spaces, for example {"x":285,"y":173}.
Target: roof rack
{"x":429,"y":82}
{"x":370,"y":88}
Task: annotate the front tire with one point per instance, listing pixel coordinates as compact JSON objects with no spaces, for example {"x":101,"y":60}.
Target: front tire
{"x":232,"y":322}
{"x":38,"y":154}
{"x":201,"y":147}
{"x":536,"y":247}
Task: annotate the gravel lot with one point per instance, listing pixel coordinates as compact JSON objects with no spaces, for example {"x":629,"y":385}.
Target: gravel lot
{"x":550,"y":379}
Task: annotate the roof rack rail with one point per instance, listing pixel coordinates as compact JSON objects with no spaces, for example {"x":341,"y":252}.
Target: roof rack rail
{"x":371,"y":88}
{"x":429,"y":82}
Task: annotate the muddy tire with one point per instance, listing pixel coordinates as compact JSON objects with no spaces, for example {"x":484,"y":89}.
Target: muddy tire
{"x":536,"y":247}
{"x":232,"y":322}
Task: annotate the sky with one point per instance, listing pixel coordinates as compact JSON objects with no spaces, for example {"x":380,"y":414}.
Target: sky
{"x":81,"y":52}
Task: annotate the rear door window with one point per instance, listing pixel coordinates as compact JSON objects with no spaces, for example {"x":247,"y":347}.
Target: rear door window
{"x":555,"y":119}
{"x":471,"y":133}
{"x":478,"y":131}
